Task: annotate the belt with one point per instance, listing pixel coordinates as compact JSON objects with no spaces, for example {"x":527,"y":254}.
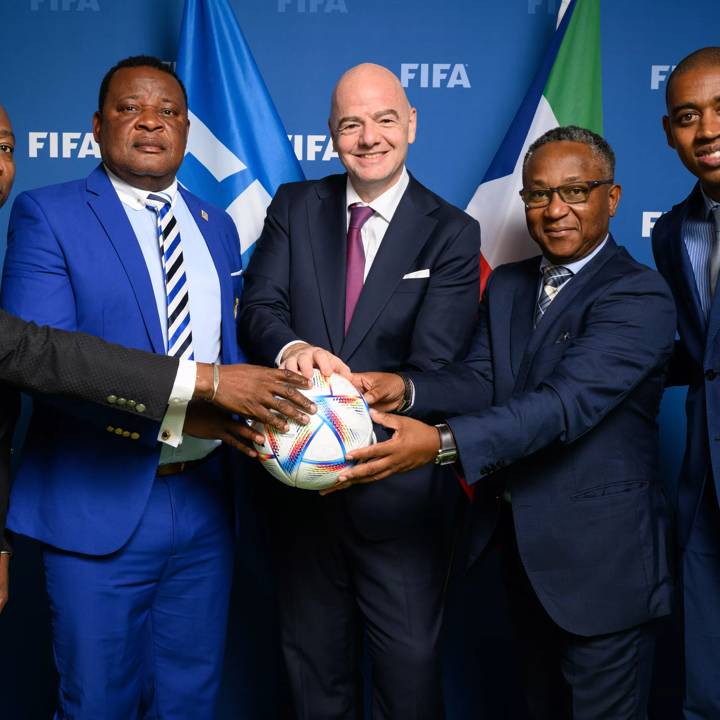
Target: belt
{"x":179,"y":467}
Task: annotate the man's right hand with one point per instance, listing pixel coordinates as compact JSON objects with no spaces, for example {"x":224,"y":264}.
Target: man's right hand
{"x":304,"y":358}
{"x":382,"y":391}
{"x":263,"y":394}
{"x":4,"y":579}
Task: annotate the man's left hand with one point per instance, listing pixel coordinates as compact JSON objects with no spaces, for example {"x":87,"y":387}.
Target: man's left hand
{"x":207,"y":421}
{"x":413,"y":444}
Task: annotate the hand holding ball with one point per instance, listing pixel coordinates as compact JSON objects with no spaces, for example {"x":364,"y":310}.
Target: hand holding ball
{"x":312,"y":456}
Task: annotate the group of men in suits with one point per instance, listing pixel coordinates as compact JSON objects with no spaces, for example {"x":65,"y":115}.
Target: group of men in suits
{"x":551,"y":416}
{"x":546,"y":403}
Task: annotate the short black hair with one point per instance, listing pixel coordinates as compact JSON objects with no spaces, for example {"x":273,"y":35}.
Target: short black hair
{"x":704,"y":57}
{"x":133,"y":62}
{"x":572,"y":133}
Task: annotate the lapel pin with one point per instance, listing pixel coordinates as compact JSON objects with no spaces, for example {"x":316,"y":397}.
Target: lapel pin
{"x":204,"y":215}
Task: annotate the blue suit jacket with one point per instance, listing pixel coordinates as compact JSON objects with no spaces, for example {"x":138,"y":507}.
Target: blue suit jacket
{"x":696,"y":361}
{"x":73,"y":262}
{"x":295,"y":290}
{"x":563,"y":416}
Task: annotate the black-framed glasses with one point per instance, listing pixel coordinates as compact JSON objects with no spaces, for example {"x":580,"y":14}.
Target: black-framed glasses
{"x":572,"y":193}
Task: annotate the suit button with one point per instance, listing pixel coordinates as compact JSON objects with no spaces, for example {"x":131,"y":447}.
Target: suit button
{"x":121,"y":401}
{"x":140,"y":408}
{"x":131,"y":403}
{"x":134,"y":436}
{"x":126,"y":433}
{"x":118,"y":431}
{"x":710,"y":374}
{"x":110,"y":428}
{"x":112,"y":399}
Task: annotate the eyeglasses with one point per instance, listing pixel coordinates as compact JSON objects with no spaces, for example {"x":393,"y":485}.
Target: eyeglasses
{"x":572,"y":193}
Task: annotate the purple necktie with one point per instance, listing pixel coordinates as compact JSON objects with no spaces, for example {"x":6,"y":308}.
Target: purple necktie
{"x":355,"y":269}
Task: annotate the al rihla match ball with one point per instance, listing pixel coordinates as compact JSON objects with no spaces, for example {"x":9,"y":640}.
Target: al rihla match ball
{"x":312,"y":456}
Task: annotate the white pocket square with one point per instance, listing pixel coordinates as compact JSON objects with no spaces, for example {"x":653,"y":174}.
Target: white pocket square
{"x":236,"y":273}
{"x":417,"y":274}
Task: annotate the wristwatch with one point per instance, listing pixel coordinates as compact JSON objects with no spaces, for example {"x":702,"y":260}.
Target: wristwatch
{"x":447,"y":454}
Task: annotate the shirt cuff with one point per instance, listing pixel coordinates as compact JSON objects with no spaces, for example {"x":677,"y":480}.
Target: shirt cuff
{"x":278,"y":357}
{"x":182,"y":391}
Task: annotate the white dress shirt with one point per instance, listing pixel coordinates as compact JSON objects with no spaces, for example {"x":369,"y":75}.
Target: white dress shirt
{"x":373,"y":230}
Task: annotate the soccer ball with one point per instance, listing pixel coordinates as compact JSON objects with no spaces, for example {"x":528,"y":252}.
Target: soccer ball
{"x":312,"y":456}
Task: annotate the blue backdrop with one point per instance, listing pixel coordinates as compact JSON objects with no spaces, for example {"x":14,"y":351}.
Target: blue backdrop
{"x":54,"y":54}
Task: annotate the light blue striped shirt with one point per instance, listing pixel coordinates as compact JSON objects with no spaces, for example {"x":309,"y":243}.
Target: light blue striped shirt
{"x":699,"y":236}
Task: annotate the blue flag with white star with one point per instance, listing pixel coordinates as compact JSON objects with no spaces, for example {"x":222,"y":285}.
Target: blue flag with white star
{"x":238,"y":152}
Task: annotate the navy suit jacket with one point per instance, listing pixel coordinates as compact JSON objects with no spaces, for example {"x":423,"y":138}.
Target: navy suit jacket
{"x":564,"y":416}
{"x":73,"y":262}
{"x":696,"y":362}
{"x":295,"y":290}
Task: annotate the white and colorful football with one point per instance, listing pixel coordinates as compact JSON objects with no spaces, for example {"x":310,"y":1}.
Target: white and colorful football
{"x":312,"y":456}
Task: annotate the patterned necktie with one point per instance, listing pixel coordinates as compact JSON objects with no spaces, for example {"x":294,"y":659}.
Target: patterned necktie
{"x":714,"y":264}
{"x":355,"y":267}
{"x":554,"y":277}
{"x":179,"y":330}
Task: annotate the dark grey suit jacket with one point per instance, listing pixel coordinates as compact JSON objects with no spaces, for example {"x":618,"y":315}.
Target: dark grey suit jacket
{"x":42,"y":360}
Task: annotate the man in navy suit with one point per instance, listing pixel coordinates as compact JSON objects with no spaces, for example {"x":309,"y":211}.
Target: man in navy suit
{"x":552,"y":418}
{"x":138,"y":539}
{"x":686,"y":245}
{"x":368,"y":269}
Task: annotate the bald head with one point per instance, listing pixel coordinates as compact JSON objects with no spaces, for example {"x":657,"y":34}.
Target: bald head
{"x":372,"y":124}
{"x":707,"y":58}
{"x":361,"y":77}
{"x":7,"y":158}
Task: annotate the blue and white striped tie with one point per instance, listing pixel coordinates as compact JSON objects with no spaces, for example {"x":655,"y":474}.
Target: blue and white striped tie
{"x":179,"y":329}
{"x":554,"y":277}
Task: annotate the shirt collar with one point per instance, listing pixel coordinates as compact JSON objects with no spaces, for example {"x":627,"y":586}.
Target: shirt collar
{"x":386,"y":204}
{"x":578,"y":265}
{"x":135,"y":197}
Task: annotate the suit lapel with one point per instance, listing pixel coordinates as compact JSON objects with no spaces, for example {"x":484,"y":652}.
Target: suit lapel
{"x":406,"y":235}
{"x":562,"y":302}
{"x":523,"y":312}
{"x":328,"y":240}
{"x":106,"y":206}
{"x":685,"y":279}
{"x":211,"y":234}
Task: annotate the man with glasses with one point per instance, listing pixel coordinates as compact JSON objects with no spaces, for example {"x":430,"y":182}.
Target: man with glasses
{"x":555,"y":428}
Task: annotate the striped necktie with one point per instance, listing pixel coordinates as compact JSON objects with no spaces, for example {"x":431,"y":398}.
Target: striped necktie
{"x":179,"y":330}
{"x":554,"y":277}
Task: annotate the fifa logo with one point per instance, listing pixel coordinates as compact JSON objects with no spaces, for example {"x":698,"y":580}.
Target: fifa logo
{"x":436,"y":75}
{"x":312,"y":6}
{"x":65,"y":5}
{"x":659,"y":74}
{"x":548,"y":6}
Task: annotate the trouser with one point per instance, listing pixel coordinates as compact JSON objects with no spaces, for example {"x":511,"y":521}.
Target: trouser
{"x":700,"y":569}
{"x":568,"y":676}
{"x":140,"y":633}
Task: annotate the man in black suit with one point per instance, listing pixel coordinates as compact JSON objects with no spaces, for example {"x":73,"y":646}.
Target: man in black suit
{"x":553,"y":417}
{"x":43,"y":360}
{"x":378,"y":270}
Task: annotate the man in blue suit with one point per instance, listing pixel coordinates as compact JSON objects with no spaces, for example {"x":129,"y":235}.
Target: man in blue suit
{"x":139,"y":540}
{"x":686,"y":245}
{"x":375,"y":268}
{"x":552,"y":418}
